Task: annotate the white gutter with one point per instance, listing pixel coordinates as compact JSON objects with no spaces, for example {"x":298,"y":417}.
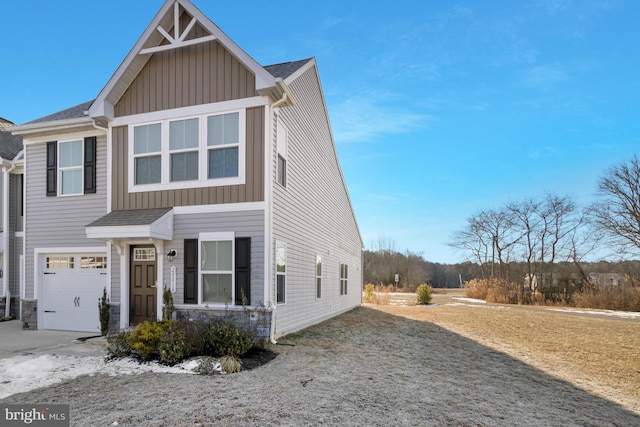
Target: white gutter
{"x":269,"y":229}
{"x":31,"y":128}
{"x":5,"y":236}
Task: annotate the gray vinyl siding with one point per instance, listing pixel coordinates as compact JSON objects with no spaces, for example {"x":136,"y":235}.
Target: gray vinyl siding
{"x":15,"y":224}
{"x":57,"y":222}
{"x":243,"y":223}
{"x":313,"y":215}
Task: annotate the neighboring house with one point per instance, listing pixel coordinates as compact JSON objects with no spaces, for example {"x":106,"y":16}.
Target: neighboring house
{"x":11,"y":220}
{"x":196,"y":170}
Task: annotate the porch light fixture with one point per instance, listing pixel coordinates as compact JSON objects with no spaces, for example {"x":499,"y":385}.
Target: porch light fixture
{"x":171,"y":255}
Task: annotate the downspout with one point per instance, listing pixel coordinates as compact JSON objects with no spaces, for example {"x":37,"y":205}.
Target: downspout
{"x":272,"y":332}
{"x":5,"y":237}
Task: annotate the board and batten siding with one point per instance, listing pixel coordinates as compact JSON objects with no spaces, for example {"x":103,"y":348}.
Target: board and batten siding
{"x":59,"y":222}
{"x":193,"y":75}
{"x":251,"y":191}
{"x":313,"y":215}
{"x":242,"y":223}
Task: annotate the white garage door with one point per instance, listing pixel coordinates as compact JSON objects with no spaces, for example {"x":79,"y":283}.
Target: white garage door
{"x":72,"y":284}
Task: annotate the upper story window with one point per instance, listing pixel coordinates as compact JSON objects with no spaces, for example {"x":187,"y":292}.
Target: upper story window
{"x":281,"y":145}
{"x":71,"y":167}
{"x":147,"y":149}
{"x":193,"y":152}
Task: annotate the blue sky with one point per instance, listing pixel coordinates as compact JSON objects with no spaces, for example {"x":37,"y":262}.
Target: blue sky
{"x":439,"y":108}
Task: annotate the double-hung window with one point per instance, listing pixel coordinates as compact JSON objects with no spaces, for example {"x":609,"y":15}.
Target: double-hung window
{"x":318,"y":276}
{"x":281,"y":272}
{"x":223,"y":140}
{"x":147,"y":152}
{"x":184,"y":139}
{"x":205,"y":150}
{"x":70,"y":167}
{"x":343,"y":278}
{"x":216,"y":267}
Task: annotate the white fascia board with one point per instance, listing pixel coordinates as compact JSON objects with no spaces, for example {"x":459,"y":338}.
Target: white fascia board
{"x":32,"y":140}
{"x":68,"y":124}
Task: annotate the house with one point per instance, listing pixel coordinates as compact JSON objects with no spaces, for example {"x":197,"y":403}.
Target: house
{"x":197,"y":170}
{"x":11,"y":219}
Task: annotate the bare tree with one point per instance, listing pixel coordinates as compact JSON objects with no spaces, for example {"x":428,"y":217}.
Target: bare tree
{"x":617,"y":210}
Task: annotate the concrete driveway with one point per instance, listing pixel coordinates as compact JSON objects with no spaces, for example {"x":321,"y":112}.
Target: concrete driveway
{"x":14,"y":341}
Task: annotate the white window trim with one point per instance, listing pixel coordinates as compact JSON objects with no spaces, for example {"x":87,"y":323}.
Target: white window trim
{"x":282,"y":142}
{"x":213,"y":237}
{"x":280,"y":243}
{"x":319,"y":257}
{"x":203,"y":155}
{"x":60,"y":169}
{"x":345,"y":279}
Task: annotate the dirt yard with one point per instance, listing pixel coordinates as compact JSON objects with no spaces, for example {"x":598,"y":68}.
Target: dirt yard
{"x":448,"y":364}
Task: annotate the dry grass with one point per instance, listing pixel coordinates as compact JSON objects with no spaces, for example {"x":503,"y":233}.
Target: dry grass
{"x":596,"y":353}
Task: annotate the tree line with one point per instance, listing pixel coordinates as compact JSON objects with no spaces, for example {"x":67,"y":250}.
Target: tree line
{"x":545,"y":240}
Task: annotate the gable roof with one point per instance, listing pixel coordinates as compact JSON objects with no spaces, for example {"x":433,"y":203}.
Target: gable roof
{"x":155,"y":36}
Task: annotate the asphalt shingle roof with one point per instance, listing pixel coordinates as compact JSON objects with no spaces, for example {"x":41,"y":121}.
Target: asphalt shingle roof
{"x":130,"y":217}
{"x":74,"y":112}
{"x":285,"y":69}
{"x":10,"y":145}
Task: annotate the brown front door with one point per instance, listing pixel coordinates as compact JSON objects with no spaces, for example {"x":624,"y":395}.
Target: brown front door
{"x":142,"y":284}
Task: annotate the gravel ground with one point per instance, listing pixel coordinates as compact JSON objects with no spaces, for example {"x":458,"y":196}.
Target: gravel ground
{"x":364,"y":368}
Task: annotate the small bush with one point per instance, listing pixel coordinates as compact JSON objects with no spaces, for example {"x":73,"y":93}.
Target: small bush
{"x":423,"y":294}
{"x":103,"y":312}
{"x":230,"y":364}
{"x":146,"y":338}
{"x":223,"y":338}
{"x":207,"y":366}
{"x":174,"y":345}
{"x":119,"y":345}
{"x":369,"y":293}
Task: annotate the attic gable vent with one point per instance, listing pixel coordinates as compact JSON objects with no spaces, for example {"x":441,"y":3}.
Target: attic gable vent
{"x":179,"y":38}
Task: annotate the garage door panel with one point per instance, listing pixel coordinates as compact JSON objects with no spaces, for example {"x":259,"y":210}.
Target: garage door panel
{"x":71,"y":287}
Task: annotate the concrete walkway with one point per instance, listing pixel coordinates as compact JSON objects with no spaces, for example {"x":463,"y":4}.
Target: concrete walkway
{"x":14,"y":341}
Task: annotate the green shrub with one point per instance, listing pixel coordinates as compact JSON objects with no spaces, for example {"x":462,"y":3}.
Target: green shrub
{"x":423,"y":294}
{"x":174,"y":345}
{"x":222,"y":338}
{"x":146,"y":338}
{"x":119,"y":345}
{"x":167,"y":301}
{"x":103,"y":312}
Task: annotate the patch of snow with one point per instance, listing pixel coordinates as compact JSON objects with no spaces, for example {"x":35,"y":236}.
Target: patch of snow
{"x":625,"y":314}
{"x":473,"y":300}
{"x":25,"y":373}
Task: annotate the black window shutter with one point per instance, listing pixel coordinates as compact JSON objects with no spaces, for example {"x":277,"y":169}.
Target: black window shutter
{"x":52,"y":168}
{"x":190,"y":271}
{"x":243,"y":271}
{"x":90,"y":165}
